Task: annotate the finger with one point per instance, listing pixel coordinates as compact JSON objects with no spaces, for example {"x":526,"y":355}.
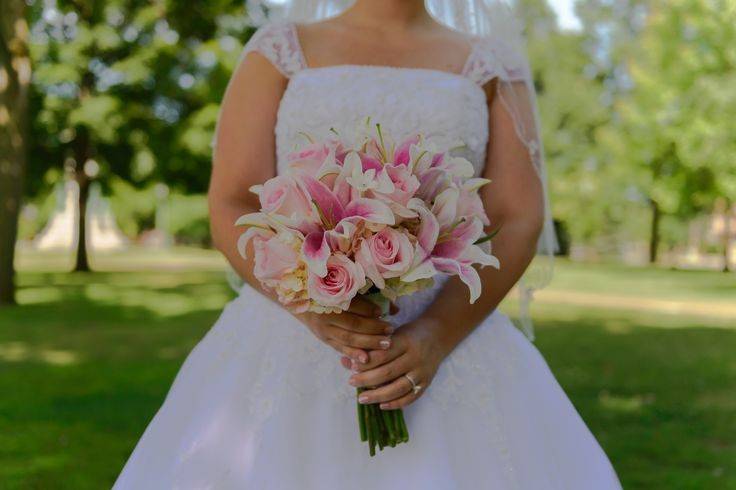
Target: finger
{"x":382,"y":374}
{"x":380,"y":356}
{"x":401,"y":402}
{"x":398,"y":388}
{"x":357,"y":355}
{"x":362,"y":341}
{"x":346,"y":362}
{"x":363,"y":307}
{"x":356,"y":323}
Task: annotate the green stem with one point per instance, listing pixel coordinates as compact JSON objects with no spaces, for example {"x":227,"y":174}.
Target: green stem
{"x":361,"y":421}
{"x":374,"y":429}
{"x":405,"y":431}
{"x":388,"y":421}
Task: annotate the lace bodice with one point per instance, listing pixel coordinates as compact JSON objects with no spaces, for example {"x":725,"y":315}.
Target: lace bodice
{"x":444,"y":105}
{"x":447,"y":106}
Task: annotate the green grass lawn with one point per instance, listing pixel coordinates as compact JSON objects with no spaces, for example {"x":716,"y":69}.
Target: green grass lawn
{"x":87,"y":359}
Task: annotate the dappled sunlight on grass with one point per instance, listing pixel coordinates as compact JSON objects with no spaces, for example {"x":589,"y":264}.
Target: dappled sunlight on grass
{"x":41,"y":294}
{"x":87,"y":359}
{"x":22,"y":352}
{"x":618,"y":403}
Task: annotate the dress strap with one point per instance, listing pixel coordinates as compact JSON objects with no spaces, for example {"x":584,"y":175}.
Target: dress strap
{"x":490,"y":58}
{"x":279,"y":44}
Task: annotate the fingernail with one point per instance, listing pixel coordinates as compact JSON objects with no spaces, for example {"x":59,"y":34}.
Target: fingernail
{"x":354,"y":367}
{"x":353,"y":382}
{"x":383,"y":406}
{"x":363,"y":358}
{"x":389,"y":330}
{"x":363,"y":399}
{"x":385,"y":343}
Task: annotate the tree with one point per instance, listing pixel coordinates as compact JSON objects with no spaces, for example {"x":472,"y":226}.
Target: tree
{"x":674,"y":132}
{"x":15,"y":76}
{"x":571,"y":109}
{"x":129,"y":89}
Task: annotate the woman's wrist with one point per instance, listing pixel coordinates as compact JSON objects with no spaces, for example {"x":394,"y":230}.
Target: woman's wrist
{"x":433,"y":331}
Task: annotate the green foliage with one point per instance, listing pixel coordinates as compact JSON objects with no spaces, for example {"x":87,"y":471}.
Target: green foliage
{"x":188,"y":219}
{"x":134,"y":209}
{"x":637,"y":107}
{"x":185,"y":216}
{"x":137,"y":83}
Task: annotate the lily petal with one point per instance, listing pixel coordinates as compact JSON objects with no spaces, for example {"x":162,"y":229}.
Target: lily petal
{"x":424,"y":270}
{"x":429,"y":228}
{"x":475,"y":183}
{"x":316,"y":251}
{"x":402,"y":155}
{"x":250,"y":234}
{"x":467,"y":274}
{"x":445,"y":207}
{"x":325,"y":200}
{"x":371,"y":210}
{"x":329,"y":166}
{"x":341,"y":237}
{"x":475,"y":255}
{"x":253,"y":219}
{"x":460,"y":167}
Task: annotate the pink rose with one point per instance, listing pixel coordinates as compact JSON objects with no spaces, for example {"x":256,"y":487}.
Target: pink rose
{"x":274,"y":258}
{"x":384,"y":255}
{"x":281,"y":195}
{"x":339,"y":286}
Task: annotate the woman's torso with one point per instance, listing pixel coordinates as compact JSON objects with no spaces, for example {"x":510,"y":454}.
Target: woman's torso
{"x":449,"y":107}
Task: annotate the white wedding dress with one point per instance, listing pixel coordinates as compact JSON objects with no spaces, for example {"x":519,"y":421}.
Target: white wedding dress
{"x":261,"y":404}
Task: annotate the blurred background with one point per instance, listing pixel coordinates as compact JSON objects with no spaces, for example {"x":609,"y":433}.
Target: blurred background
{"x":107,"y":278}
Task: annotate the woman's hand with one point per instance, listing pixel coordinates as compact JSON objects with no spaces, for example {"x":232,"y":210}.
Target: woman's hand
{"x":352,"y":333}
{"x":414,"y":352}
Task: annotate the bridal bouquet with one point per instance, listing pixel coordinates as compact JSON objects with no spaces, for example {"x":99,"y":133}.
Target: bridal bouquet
{"x":362,"y":215}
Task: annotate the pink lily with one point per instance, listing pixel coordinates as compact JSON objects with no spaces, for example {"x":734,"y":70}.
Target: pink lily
{"x":452,"y":250}
{"x":334,"y":214}
{"x":402,"y":154}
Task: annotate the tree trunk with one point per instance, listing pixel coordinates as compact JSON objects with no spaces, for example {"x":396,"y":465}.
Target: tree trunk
{"x":15,"y":77}
{"x":82,"y":153}
{"x":727,"y":231}
{"x":654,"y":232}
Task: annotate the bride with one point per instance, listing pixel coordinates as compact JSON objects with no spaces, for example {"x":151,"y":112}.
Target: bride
{"x":267,"y":399}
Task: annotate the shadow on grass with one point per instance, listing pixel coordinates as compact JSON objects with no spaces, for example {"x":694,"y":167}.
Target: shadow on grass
{"x":659,"y":392}
{"x":659,"y":395}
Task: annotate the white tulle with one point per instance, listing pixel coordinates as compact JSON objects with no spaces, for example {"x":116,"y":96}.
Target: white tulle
{"x":260,"y":403}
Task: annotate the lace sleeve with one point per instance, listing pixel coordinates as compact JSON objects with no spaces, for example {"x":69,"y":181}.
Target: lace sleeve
{"x":279,"y":44}
{"x":492,"y":58}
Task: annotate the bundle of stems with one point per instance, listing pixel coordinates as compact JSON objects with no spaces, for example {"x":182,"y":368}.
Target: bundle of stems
{"x":382,"y":428}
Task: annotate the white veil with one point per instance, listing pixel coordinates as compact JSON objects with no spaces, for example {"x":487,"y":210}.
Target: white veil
{"x":494,"y":22}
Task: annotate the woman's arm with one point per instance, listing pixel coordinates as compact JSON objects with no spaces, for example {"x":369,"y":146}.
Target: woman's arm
{"x":245,"y":156}
{"x":515,"y":204}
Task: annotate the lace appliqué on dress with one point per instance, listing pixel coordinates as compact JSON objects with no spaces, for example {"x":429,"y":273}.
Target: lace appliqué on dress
{"x":279,"y":44}
{"x":490,"y":59}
